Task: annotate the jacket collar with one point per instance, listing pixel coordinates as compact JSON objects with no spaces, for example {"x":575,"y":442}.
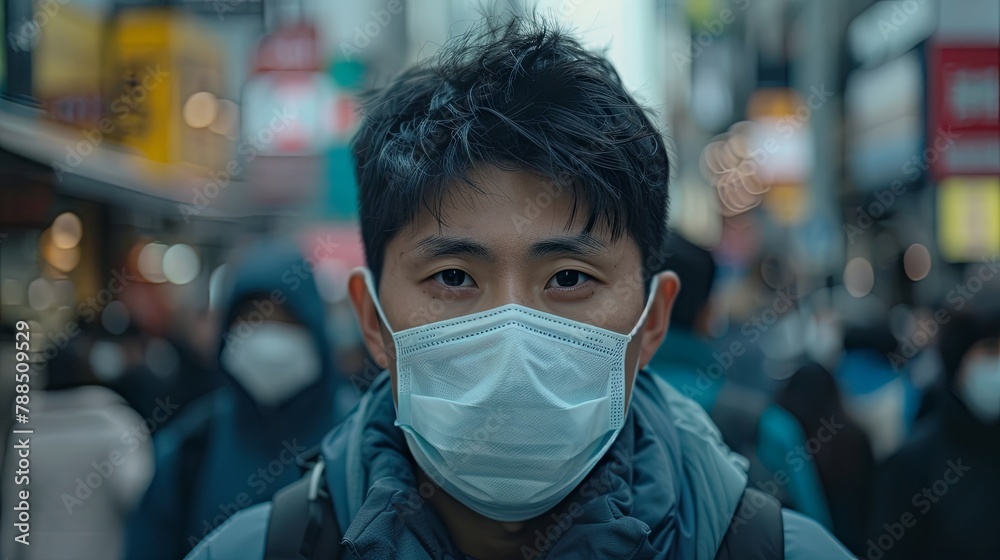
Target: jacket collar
{"x":638,"y":500}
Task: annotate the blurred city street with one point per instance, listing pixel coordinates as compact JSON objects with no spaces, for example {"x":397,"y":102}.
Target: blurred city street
{"x":177,"y":177}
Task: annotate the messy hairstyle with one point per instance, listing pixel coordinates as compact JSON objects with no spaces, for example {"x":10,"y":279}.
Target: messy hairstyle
{"x":517,"y":94}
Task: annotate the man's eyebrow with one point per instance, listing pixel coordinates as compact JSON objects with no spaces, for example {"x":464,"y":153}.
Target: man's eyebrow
{"x":582,"y":244}
{"x":437,"y":246}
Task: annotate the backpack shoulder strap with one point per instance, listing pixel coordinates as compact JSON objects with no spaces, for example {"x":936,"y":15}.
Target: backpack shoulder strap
{"x":756,"y":531}
{"x":302,"y":525}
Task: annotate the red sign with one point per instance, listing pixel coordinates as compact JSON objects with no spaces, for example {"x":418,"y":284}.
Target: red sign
{"x":295,"y":47}
{"x":964,"y":107}
{"x":339,"y":242}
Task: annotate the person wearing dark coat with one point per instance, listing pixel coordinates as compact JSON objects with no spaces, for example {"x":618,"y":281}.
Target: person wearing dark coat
{"x":936,"y":498}
{"x":235,"y":447}
{"x":845,"y":463}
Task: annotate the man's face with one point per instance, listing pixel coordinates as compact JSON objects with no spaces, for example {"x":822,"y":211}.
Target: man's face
{"x":509,"y":243}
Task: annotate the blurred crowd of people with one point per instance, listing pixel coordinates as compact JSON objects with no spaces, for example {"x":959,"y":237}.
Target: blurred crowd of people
{"x":862,"y":438}
{"x":839,"y":311}
{"x":152,"y":429}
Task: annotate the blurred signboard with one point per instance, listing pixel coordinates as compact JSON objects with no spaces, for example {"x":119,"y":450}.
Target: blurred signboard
{"x":884,"y":108}
{"x":67,"y":58}
{"x":783,"y":136}
{"x":288,"y":103}
{"x":288,"y":118}
{"x":289,"y":113}
{"x":158,"y":60}
{"x":289,"y":48}
{"x":965,"y":93}
{"x":969,"y":218}
{"x":782,"y":147}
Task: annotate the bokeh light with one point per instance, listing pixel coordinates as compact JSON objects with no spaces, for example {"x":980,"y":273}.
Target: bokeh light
{"x":200,"y":109}
{"x":151,"y":262}
{"x":859,"y":277}
{"x":107,"y":360}
{"x":41,"y":295}
{"x":227,"y":119}
{"x":115,"y":318}
{"x":180,"y":264}
{"x":67,"y":230}
{"x":917,"y":262}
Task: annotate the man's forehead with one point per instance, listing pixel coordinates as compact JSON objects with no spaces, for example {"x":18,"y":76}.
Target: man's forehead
{"x":510,"y":203}
{"x":484,"y":248}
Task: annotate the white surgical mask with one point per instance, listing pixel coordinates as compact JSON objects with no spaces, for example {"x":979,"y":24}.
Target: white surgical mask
{"x":509,"y":409}
{"x":980,"y":389}
{"x":274,"y":363}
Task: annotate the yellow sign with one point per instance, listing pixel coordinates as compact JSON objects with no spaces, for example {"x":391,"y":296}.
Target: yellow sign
{"x":67,"y":57}
{"x":968,"y":212}
{"x":158,"y":58}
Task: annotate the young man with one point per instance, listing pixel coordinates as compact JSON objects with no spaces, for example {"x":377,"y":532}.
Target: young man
{"x":513,"y":206}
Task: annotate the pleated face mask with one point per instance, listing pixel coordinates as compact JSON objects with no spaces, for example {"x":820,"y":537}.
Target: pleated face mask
{"x":509,"y":409}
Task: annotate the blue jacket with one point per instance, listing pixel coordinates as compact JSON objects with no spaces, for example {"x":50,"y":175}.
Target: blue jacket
{"x":225,"y":453}
{"x":683,"y":361}
{"x":667,"y":488}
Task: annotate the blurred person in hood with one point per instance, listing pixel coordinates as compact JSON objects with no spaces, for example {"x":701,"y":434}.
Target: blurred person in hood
{"x":845,"y":461}
{"x":936,"y":498}
{"x":513,"y":205}
{"x":235,"y":447}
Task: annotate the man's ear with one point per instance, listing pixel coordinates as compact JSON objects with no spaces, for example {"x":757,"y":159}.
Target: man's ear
{"x":658,"y":319}
{"x":368,"y":318}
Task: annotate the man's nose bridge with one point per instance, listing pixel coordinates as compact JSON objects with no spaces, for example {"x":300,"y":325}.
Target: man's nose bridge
{"x":511,"y":287}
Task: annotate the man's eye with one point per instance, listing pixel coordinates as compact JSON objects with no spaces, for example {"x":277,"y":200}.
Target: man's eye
{"x":567,"y":279}
{"x":454,"y":278}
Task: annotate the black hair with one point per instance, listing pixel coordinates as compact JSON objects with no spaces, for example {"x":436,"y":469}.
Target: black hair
{"x":517,"y":94}
{"x":811,"y":393}
{"x":695,"y":267}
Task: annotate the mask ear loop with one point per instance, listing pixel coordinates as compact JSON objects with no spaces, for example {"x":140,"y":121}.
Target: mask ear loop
{"x":649,"y":304}
{"x":642,"y":319}
{"x":370,"y":284}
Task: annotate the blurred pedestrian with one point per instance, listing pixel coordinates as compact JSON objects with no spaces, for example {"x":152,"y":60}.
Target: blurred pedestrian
{"x":750,"y":423}
{"x":936,"y":498}
{"x":89,"y":463}
{"x":237,"y":446}
{"x":845,"y":462}
{"x":876,"y":387}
